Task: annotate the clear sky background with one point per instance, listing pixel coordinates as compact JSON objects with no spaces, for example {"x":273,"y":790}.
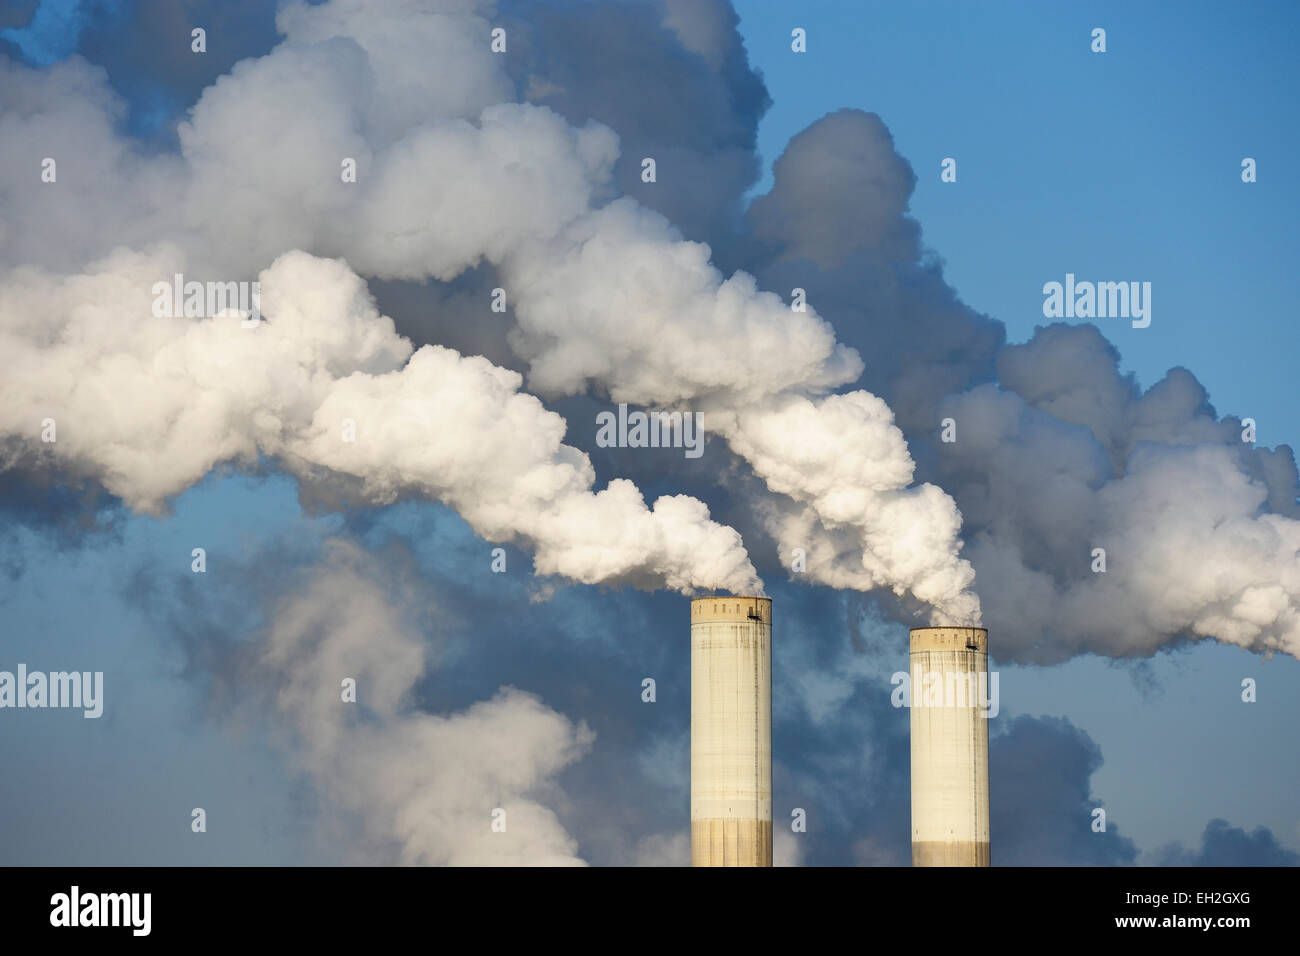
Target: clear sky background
{"x":1122,"y":165}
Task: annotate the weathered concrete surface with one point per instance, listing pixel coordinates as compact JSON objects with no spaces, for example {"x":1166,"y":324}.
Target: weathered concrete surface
{"x":731,"y":731}
{"x":950,"y":748}
{"x":731,"y":843}
{"x":950,"y":854}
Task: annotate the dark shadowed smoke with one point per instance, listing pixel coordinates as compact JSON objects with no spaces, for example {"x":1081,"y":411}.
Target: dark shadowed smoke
{"x":843,"y":752}
{"x":845,"y":762}
{"x":15,"y":14}
{"x":145,"y":46}
{"x":835,"y":223}
{"x":1225,"y":845}
{"x":1040,"y":801}
{"x":65,"y":514}
{"x":674,"y":83}
{"x":584,"y":655}
{"x":1042,"y":808}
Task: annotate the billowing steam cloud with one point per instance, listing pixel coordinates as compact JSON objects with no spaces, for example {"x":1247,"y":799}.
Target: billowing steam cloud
{"x":1195,"y":526}
{"x":760,"y":372}
{"x":425,"y":786}
{"x":457,"y":179}
{"x":607,"y":297}
{"x":147,"y":405}
{"x":1062,"y":456}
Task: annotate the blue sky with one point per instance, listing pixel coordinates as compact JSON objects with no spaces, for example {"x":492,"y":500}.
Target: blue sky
{"x":1122,"y":165}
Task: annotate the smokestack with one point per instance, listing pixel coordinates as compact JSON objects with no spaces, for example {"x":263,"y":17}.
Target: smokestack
{"x":950,"y":746}
{"x":731,"y":731}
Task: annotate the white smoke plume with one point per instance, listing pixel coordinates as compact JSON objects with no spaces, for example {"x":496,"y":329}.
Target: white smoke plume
{"x":447,"y":169}
{"x":425,"y":786}
{"x":760,"y":372}
{"x":1064,"y":455}
{"x":609,"y":298}
{"x":147,"y":405}
{"x":1198,"y":538}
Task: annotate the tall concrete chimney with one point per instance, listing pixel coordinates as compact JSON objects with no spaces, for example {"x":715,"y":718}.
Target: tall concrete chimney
{"x":950,"y":747}
{"x":731,"y":731}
